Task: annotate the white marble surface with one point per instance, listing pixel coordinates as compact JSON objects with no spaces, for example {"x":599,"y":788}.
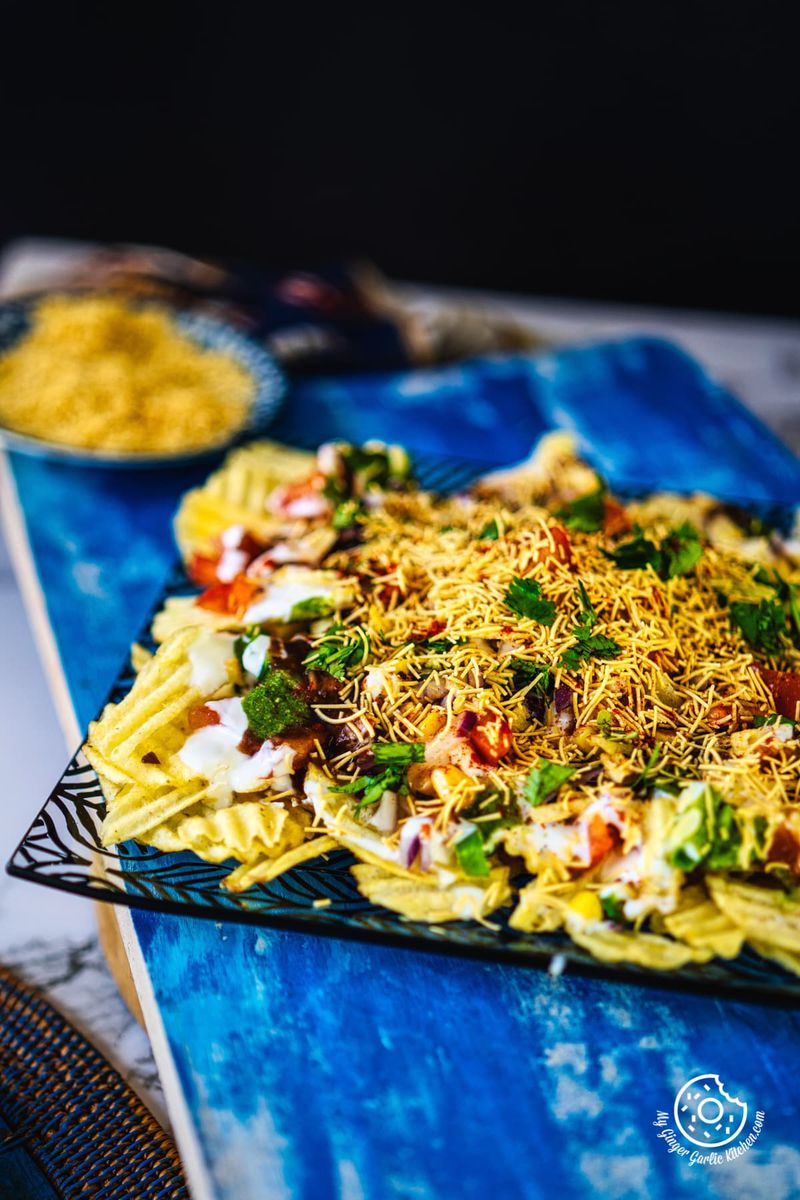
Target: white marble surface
{"x":50,"y":939}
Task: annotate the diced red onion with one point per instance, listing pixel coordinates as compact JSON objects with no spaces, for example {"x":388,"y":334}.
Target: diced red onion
{"x":415,"y":840}
{"x":466,"y":723}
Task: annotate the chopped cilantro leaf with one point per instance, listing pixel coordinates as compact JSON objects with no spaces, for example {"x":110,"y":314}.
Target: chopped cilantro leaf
{"x":311,"y":608}
{"x":677,"y":554}
{"x":440,"y":645}
{"x":340,"y":648}
{"x":490,"y":532}
{"x":773,"y":719}
{"x":275,"y":705}
{"x":544,"y":781}
{"x":525,"y":671}
{"x":597,"y":646}
{"x":524,"y":596}
{"x":471,"y":854}
{"x":639,"y":552}
{"x":372,"y":786}
{"x":492,"y":811}
{"x":587,"y":513}
{"x":763,"y":625}
{"x":789,"y":593}
{"x":398,"y":753}
{"x":681,"y":551}
{"x":588,"y":615}
{"x":587,"y":644}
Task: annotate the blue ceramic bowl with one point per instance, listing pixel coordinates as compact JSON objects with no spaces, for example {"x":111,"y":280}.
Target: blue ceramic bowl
{"x":207,"y":333}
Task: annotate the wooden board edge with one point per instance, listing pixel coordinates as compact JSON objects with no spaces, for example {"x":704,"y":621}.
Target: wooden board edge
{"x":22,"y":560}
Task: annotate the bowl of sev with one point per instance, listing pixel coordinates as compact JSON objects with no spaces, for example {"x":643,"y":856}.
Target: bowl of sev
{"x":98,"y":378}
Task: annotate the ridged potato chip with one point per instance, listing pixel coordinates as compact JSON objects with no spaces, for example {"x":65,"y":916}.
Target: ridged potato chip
{"x":426,"y":900}
{"x":133,"y":745}
{"x":236,"y":494}
{"x":699,"y":922}
{"x":248,"y":830}
{"x":784,"y":958}
{"x":765,"y":914}
{"x":263,"y":870}
{"x":644,"y":949}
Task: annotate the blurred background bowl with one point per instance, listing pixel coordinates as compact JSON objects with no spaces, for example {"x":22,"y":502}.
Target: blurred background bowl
{"x":208,"y":333}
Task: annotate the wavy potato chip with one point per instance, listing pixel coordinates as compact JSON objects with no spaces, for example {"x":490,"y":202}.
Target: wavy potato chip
{"x":236,"y":494}
{"x":784,"y":958}
{"x":422,"y":900}
{"x":766,"y":914}
{"x":263,"y":870}
{"x":133,"y":745}
{"x":540,"y":909}
{"x":644,"y":949}
{"x":699,"y":922}
{"x":181,"y":612}
{"x":248,"y":830}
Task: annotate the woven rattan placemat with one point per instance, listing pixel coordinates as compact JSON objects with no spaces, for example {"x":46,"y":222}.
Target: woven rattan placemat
{"x":64,"y":1105}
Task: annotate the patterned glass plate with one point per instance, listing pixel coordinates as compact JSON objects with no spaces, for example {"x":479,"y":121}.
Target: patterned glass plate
{"x":62,"y":849}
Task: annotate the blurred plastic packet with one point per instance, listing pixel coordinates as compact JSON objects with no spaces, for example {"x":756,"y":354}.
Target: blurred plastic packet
{"x":344,"y":317}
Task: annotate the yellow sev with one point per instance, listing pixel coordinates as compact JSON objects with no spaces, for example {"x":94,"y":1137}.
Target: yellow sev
{"x":95,"y":372}
{"x":682,"y":679}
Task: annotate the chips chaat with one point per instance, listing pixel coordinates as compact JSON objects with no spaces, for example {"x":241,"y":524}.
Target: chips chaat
{"x":527,"y":697}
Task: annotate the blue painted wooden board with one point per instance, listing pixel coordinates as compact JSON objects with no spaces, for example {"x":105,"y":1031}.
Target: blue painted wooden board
{"x":315,"y":1068}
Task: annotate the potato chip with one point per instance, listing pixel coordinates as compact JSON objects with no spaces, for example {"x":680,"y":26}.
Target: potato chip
{"x":181,"y":612}
{"x":645,"y":949}
{"x":140,"y":656}
{"x":236,"y":494}
{"x":133,"y":745}
{"x":248,"y":830}
{"x":540,"y":907}
{"x":263,"y":870}
{"x":766,"y":914}
{"x":784,"y":958}
{"x":424,"y":899}
{"x":699,"y":922}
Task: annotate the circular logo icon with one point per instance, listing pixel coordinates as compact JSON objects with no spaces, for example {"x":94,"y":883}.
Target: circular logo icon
{"x":705,"y":1113}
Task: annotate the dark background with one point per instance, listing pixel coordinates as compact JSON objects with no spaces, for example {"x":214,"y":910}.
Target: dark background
{"x":631,"y":151}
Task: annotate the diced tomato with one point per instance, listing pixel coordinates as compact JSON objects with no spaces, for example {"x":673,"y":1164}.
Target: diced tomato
{"x":201,"y":715}
{"x":555,"y":546}
{"x":233,"y":597}
{"x":491,"y":738}
{"x":785,"y":688}
{"x":430,"y":631}
{"x":303,"y":499}
{"x":615,"y":519}
{"x":202,"y":569}
{"x":601,"y":839}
